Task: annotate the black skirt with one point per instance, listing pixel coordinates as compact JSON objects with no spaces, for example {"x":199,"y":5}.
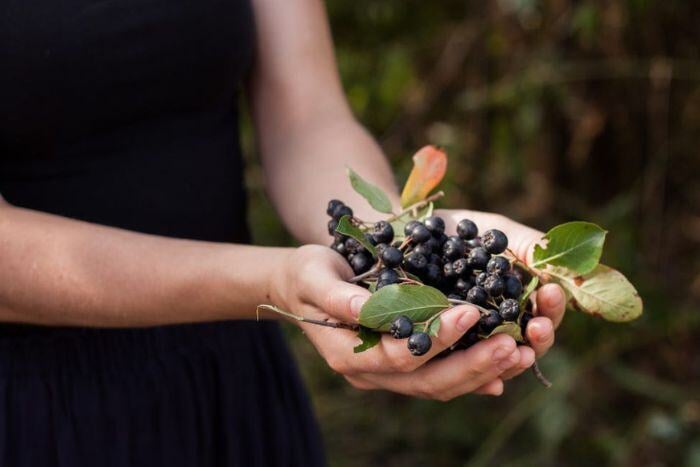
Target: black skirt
{"x":221,"y":394}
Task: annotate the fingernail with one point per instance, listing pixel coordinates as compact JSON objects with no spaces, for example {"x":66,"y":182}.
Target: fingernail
{"x":466,"y":320}
{"x":502,"y":353}
{"x":356,"y":303}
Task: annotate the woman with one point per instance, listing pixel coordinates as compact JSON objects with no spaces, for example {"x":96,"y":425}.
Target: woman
{"x":123,"y":220}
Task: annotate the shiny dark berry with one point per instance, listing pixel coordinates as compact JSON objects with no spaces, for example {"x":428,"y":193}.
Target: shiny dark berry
{"x":435,"y":224}
{"x":470,"y":338}
{"x":388,"y":275}
{"x":509,"y":309}
{"x":392,"y":257}
{"x":481,"y":278}
{"x":333,"y":205}
{"x":498,"y":265}
{"x":454,"y":248}
{"x":494,"y":285}
{"x":467,"y":229}
{"x":332,"y":225}
{"x":434,"y":245}
{"x":353,"y":246}
{"x":419,"y":343}
{"x":339,"y":247}
{"x":462,"y":286}
{"x":494,"y":241}
{"x":383,"y":232}
{"x":379,"y":248}
{"x":401,"y":327}
{"x":360,"y":263}
{"x":448,"y":270}
{"x":440,"y":239}
{"x":408,"y":228}
{"x":415,"y":262}
{"x":432,"y":274}
{"x":341,"y":211}
{"x":370,"y":239}
{"x":455,"y":296}
{"x":420,"y":234}
{"x":478,"y":259}
{"x":461,"y":267}
{"x":435,"y":259}
{"x":382,"y":284}
{"x":477,"y":295}
{"x":474,"y":243}
{"x":513,"y":288}
{"x":489,"y":322}
{"x":424,"y":249}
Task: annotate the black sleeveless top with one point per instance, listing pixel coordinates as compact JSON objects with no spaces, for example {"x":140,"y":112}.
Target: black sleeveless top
{"x":125,"y":113}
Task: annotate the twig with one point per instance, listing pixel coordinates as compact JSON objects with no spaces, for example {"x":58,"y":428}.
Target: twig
{"x":416,"y":206}
{"x":318,"y":322}
{"x":364,"y":275}
{"x":540,"y":376}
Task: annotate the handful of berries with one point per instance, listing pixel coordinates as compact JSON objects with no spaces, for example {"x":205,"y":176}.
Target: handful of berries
{"x":416,"y":271}
{"x":467,"y":268}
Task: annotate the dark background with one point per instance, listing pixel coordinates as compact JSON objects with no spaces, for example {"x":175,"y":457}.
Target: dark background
{"x":550,"y":111}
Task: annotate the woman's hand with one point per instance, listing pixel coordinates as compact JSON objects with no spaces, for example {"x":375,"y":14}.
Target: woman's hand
{"x":550,"y":301}
{"x":312,"y":283}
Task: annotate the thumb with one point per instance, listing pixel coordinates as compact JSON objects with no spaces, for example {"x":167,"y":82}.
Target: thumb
{"x":325,"y":289}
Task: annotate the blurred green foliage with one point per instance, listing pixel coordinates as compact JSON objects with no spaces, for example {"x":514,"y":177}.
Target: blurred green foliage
{"x":550,"y":111}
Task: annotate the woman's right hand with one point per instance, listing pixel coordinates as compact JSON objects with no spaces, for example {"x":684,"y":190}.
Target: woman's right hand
{"x":312,"y":282}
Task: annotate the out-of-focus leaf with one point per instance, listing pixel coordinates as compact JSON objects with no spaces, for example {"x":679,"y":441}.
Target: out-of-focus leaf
{"x":429,"y":167}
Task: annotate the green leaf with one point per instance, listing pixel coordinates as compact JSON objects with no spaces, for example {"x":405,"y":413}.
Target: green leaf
{"x":418,"y":302}
{"x":603,"y":292}
{"x":434,"y":327}
{"x":574,"y":245}
{"x":369,"y":339}
{"x":512,"y":329}
{"x":346,"y":227}
{"x":374,"y":195}
{"x":531,"y":286}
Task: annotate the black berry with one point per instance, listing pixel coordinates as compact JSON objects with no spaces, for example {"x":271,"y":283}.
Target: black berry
{"x":360,"y":263}
{"x":420,"y":234}
{"x":481,"y":278}
{"x":353,"y":246}
{"x":435,"y":224}
{"x":370,"y":239}
{"x":467,"y":229}
{"x":490,"y":321}
{"x":498,"y":265}
{"x":416,"y":262}
{"x":392,"y":257}
{"x":419,"y":343}
{"x":461,"y":267}
{"x":401,"y":327}
{"x":383,"y":232}
{"x":477,"y":295}
{"x":435,"y":259}
{"x":470,"y":338}
{"x":333,"y":205}
{"x":478,"y":259}
{"x":341,"y":211}
{"x":448,"y":270}
{"x":424,"y":249}
{"x":388,"y":275}
{"x":513,"y":287}
{"x":494,"y":241}
{"x":332,"y":225}
{"x":454,"y":248}
{"x":524,"y":319}
{"x":432,"y":274}
{"x":494,"y":285}
{"x":509,"y":309}
{"x":339,"y":247}
{"x":474,"y":243}
{"x":408,"y":228}
{"x":462,"y":286}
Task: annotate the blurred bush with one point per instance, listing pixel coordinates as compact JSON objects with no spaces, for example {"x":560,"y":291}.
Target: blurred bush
{"x":550,"y":111}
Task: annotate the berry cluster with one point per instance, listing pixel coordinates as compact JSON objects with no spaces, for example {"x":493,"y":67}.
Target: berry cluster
{"x":466,"y":267}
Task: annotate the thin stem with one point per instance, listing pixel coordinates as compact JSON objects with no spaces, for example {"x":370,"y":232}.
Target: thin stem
{"x":540,"y":376}
{"x":318,"y":322}
{"x":416,"y":206}
{"x":543,"y":277}
{"x":364,"y":275}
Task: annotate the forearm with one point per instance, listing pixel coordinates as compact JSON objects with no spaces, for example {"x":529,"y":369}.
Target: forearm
{"x":309,"y":169}
{"x":57,"y":271}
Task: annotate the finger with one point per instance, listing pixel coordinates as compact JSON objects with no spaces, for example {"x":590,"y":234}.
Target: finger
{"x":453,"y":324}
{"x":494,"y":388}
{"x":324,"y":287}
{"x":461,"y":372}
{"x":527,"y":358}
{"x":551,"y":302}
{"x":540,"y":334}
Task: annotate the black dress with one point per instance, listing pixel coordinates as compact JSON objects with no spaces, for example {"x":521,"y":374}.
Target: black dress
{"x":124,"y":113}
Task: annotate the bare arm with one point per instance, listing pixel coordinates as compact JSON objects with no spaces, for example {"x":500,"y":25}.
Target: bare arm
{"x":60,"y":271}
{"x":306,"y":132}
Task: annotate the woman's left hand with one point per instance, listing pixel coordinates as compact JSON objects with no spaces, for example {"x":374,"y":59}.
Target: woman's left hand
{"x":550,"y":301}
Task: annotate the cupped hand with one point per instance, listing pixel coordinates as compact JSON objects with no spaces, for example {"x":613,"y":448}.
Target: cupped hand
{"x":312,"y":282}
{"x":550,"y":301}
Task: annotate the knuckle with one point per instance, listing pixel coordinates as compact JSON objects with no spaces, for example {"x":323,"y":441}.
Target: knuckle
{"x":405,"y":364}
{"x":338,"y":365}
